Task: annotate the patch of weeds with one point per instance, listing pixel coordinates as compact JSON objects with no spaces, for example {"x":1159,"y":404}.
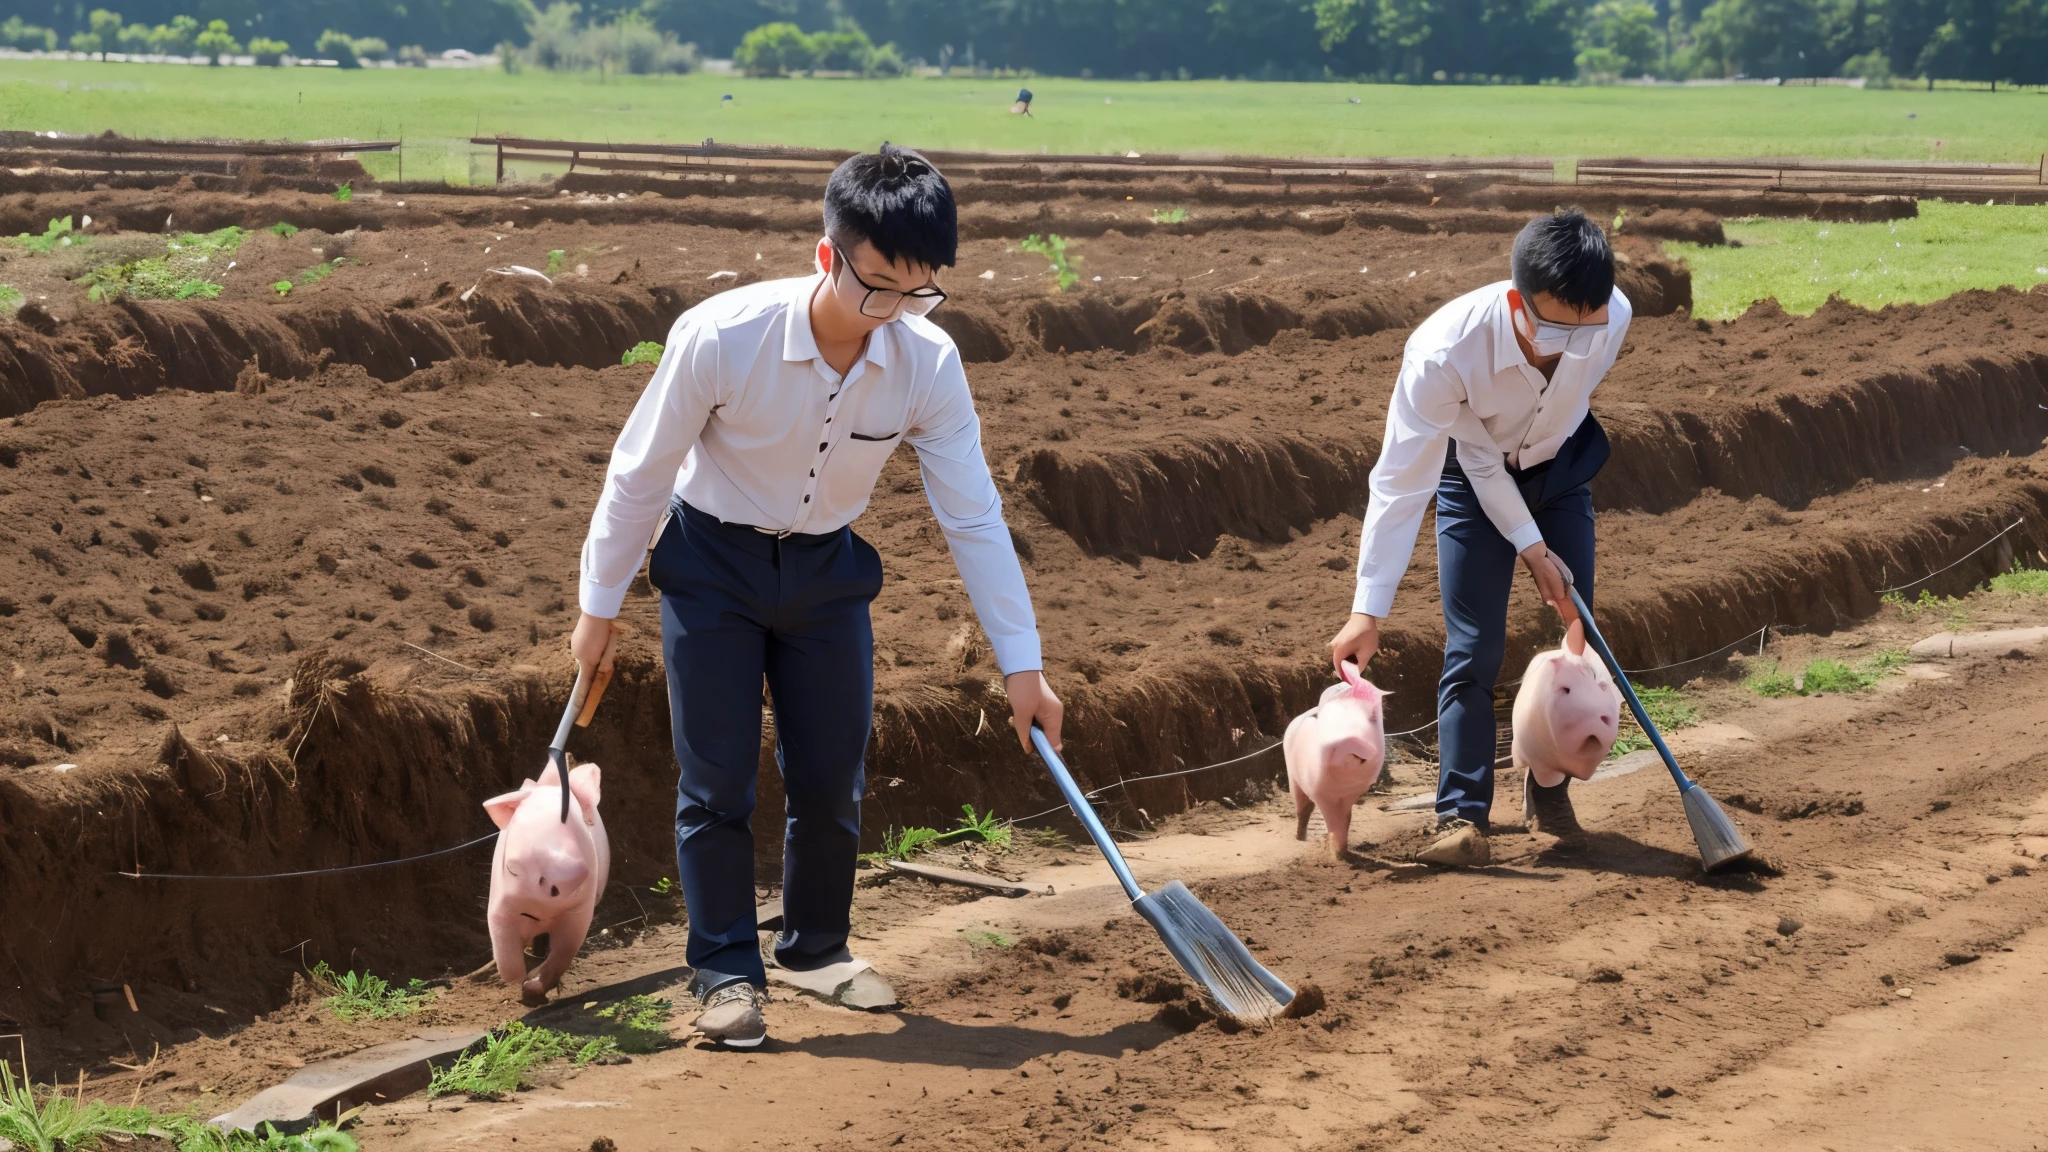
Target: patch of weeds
{"x":556,"y":259}
{"x":10,"y":297}
{"x":905,"y":843}
{"x":642,"y":1023}
{"x":1046,"y":838}
{"x":645,"y":352}
{"x":500,"y":1067}
{"x":1054,"y":248}
{"x":57,"y":235}
{"x":1169,"y":215}
{"x":50,"y":1121}
{"x":1949,"y":608}
{"x":361,"y":996}
{"x":1669,"y":711}
{"x":284,"y":229}
{"x":282,"y":287}
{"x":345,"y":193}
{"x":666,"y":886}
{"x":173,"y":276}
{"x":1825,"y":675}
{"x":2026,"y":581}
{"x":979,"y":938}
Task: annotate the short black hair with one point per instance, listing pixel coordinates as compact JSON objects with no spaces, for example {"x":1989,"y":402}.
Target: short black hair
{"x":895,"y":200}
{"x":1566,"y":255}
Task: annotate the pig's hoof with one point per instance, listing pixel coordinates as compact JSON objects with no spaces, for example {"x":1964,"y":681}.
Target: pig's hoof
{"x":532,"y":994}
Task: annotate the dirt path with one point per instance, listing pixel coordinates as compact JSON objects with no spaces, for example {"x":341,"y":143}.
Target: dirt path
{"x":1550,"y":1001}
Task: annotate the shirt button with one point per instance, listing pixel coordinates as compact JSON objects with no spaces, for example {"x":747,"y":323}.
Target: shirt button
{"x":814,"y":471}
{"x":807,"y":499}
{"x":821,"y":446}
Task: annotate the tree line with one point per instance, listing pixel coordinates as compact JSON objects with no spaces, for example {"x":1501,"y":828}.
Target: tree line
{"x":1469,"y":41}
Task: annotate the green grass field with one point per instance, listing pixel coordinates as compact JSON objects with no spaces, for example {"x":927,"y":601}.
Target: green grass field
{"x":1948,"y":248}
{"x":433,"y":109}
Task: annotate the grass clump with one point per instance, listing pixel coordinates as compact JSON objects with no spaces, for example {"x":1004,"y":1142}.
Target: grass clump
{"x":641,"y":1022}
{"x":980,"y":938}
{"x":285,"y":230}
{"x":1825,"y":675}
{"x":361,"y":996}
{"x":57,"y":235}
{"x":1949,"y":608}
{"x":345,"y":193}
{"x":1169,"y":215}
{"x":10,"y":297}
{"x":645,"y":352}
{"x":2024,"y":581}
{"x":500,"y":1067}
{"x":1053,"y":247}
{"x":177,"y":275}
{"x":557,"y":259}
{"x":902,"y":844}
{"x":1947,"y":248}
{"x":50,"y":1121}
{"x":1669,"y":711}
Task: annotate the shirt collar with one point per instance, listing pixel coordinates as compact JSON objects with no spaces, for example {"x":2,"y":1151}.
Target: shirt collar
{"x":799,"y":343}
{"x":1507,"y":351}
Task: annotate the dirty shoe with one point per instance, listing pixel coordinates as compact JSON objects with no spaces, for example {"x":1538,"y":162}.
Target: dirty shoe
{"x":1549,"y":811}
{"x":1458,"y":844}
{"x":732,"y":1016}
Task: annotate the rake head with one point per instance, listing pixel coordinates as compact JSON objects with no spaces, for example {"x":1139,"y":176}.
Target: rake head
{"x":1213,"y":955}
{"x":1720,"y":841}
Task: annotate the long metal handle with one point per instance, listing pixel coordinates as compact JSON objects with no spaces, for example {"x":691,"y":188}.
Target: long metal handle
{"x":1086,"y":812}
{"x":557,"y":750}
{"x":1628,"y":693}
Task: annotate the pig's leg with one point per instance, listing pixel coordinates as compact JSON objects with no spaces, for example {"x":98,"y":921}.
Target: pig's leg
{"x":507,"y":948}
{"x":565,"y":939}
{"x":1303,"y":807}
{"x":1338,"y":817}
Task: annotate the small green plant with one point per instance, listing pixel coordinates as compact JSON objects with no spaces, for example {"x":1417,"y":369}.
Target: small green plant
{"x":173,"y":276}
{"x":1046,"y":838}
{"x":1825,"y":675}
{"x":57,"y":235}
{"x":2027,"y":581}
{"x":979,"y":938}
{"x":557,"y":258}
{"x":345,"y":193}
{"x":642,"y":1023}
{"x":282,"y":287}
{"x":50,"y":1121}
{"x":905,"y":843}
{"x":284,"y":229}
{"x":1669,"y":711}
{"x":645,"y":352}
{"x":1169,"y":215}
{"x":500,"y":1067}
{"x":361,"y":996}
{"x":665,"y":886}
{"x":10,"y":297}
{"x":1054,"y":248}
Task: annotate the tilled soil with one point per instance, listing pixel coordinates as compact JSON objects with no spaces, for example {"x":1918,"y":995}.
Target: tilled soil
{"x":286,"y":579}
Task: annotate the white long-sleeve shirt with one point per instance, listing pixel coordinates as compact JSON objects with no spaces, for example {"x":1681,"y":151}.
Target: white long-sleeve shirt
{"x":1464,"y":378}
{"x":744,"y":420}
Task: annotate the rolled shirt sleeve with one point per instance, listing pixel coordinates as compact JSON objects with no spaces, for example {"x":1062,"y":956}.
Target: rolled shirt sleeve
{"x":947,"y":437}
{"x":649,"y":454}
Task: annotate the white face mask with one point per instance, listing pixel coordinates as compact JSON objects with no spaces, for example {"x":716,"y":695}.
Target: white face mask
{"x":1551,"y":339}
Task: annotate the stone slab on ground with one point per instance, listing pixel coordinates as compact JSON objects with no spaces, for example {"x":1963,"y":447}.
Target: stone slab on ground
{"x":320,"y":1091}
{"x":940,"y":875}
{"x":1946,"y":645}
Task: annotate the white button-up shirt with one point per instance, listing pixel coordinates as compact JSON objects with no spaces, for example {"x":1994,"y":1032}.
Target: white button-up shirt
{"x":745,"y":420}
{"x":1464,"y":378}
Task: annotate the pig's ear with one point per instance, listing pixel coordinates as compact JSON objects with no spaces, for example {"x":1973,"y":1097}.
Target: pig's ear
{"x":583,"y":784}
{"x":502,"y":807}
{"x":1575,"y":638}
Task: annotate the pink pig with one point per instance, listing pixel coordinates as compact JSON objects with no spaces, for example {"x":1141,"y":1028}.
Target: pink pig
{"x":546,"y":875}
{"x":1334,"y":753}
{"x":1565,"y":713}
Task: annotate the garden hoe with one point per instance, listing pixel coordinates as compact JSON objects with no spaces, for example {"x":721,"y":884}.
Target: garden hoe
{"x":1720,"y":841}
{"x":1205,"y":948}
{"x":583,"y":700}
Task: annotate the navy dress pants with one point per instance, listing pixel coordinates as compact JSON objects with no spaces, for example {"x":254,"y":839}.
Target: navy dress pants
{"x":1476,"y":568}
{"x":740,"y":607}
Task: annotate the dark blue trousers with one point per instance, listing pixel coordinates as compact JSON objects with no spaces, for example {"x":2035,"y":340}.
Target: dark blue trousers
{"x":740,"y":607}
{"x":1476,"y":568}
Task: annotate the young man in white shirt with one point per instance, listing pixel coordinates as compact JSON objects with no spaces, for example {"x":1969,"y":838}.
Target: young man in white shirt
{"x":1490,"y":414}
{"x":755,"y":445}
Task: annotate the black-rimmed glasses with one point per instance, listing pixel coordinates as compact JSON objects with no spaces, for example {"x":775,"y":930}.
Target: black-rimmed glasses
{"x":883,"y":302}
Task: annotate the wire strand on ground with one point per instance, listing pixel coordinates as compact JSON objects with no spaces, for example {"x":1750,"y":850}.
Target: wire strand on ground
{"x":1965,"y":556}
{"x":311,"y":871}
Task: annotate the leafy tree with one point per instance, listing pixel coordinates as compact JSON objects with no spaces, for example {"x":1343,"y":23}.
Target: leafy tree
{"x":176,"y":38}
{"x":134,"y":39}
{"x":268,"y":52}
{"x":88,"y":43}
{"x":337,"y":46}
{"x":216,"y":41}
{"x":371,"y":48}
{"x":26,"y":37}
{"x":775,"y":50}
{"x":1619,"y":38}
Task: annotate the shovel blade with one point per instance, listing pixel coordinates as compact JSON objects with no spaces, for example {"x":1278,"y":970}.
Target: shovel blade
{"x":1213,"y":955}
{"x":1720,"y":842}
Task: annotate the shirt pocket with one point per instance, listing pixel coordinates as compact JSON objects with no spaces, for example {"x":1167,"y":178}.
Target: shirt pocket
{"x":855,"y":466}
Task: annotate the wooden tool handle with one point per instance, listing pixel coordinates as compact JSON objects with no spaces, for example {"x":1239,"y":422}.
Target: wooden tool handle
{"x":597,"y":687}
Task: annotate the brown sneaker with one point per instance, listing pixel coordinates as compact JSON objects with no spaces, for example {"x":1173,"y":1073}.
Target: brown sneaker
{"x":1549,"y":811}
{"x":1458,"y":844}
{"x":732,"y":1016}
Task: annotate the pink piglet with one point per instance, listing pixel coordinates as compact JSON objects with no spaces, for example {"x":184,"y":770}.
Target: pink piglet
{"x":1334,"y":753}
{"x":546,"y":875}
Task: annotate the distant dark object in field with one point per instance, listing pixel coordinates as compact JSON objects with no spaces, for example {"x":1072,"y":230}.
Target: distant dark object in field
{"x":1023,"y":105}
